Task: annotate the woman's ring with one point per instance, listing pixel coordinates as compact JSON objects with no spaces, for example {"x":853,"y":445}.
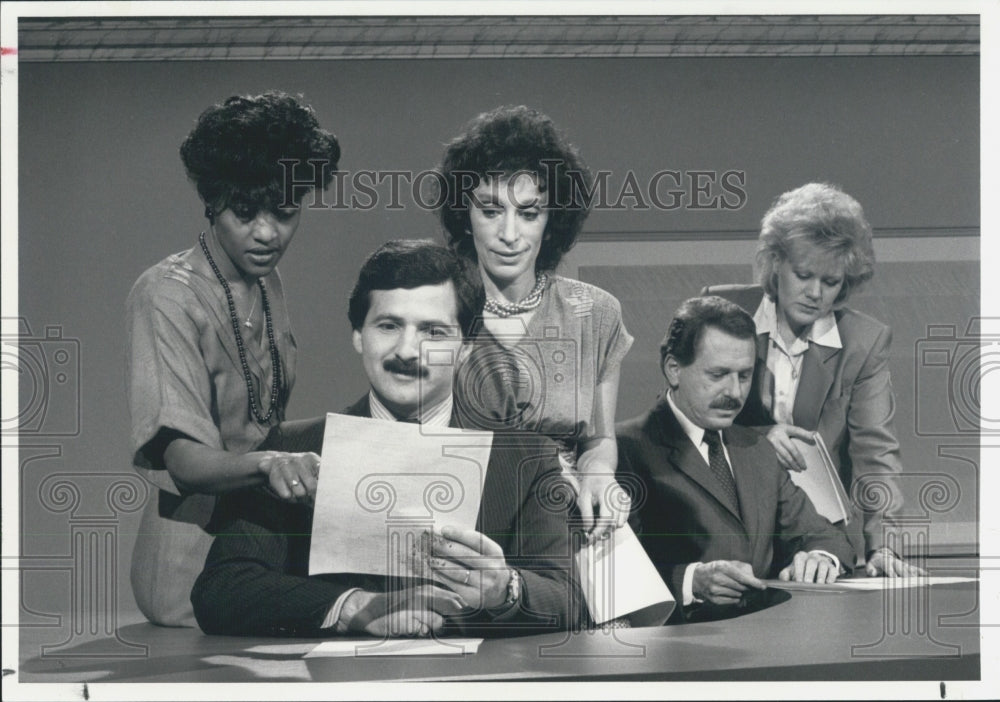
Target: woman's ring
{"x":468,"y":574}
{"x":294,"y":483}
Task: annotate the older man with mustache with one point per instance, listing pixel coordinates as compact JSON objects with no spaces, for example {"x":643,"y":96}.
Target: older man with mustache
{"x":711,"y":505}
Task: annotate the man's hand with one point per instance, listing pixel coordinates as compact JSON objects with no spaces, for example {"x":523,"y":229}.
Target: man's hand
{"x":723,"y":582}
{"x":885,"y":562}
{"x":789,"y":456}
{"x":290,"y":476}
{"x":470,"y":563}
{"x":810,"y":568}
{"x":602,"y":491}
{"x":418,"y":611}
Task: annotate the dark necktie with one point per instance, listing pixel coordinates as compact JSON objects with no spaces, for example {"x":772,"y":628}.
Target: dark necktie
{"x":720,"y":468}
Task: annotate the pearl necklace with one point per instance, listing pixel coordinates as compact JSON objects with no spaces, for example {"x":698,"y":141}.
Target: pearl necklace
{"x":275,"y":359}
{"x":525,"y":304}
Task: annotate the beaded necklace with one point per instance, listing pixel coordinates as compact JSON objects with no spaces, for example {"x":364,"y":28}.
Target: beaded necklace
{"x":532,"y":300}
{"x":275,"y":359}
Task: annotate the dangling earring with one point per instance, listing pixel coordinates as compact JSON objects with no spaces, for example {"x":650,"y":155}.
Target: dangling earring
{"x":210,"y":214}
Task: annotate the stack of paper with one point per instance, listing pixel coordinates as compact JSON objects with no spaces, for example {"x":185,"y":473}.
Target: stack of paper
{"x":820,"y":481}
{"x":865,"y":584}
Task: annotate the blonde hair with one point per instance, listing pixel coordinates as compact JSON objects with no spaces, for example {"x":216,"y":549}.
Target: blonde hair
{"x":826,"y":217}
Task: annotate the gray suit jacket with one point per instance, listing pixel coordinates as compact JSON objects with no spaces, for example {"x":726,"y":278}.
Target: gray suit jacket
{"x":846,"y":395}
{"x":681,"y":515}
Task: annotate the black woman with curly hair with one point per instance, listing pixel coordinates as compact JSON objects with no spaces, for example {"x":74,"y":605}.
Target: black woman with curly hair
{"x":211,"y":356}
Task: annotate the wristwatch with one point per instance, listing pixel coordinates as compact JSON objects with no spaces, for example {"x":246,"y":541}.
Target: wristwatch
{"x":513,"y":588}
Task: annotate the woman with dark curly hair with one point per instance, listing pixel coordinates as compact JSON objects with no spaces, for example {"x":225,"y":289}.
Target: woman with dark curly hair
{"x":514,"y":202}
{"x":211,"y":356}
{"x":822,"y":366}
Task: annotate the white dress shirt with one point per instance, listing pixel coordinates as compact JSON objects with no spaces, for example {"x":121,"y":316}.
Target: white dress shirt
{"x":784,"y":362}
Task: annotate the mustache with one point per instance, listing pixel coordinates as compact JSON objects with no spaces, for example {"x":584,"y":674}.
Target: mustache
{"x":726,"y":403}
{"x":411,"y":368}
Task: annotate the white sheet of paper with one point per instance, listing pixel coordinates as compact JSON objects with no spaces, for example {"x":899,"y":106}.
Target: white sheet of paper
{"x":866,"y":584}
{"x":618,"y":579}
{"x":820,"y":482}
{"x":381,"y":484}
{"x":355,"y":648}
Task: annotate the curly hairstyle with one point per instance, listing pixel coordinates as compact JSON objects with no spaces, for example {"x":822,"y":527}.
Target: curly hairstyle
{"x":826,"y":217}
{"x":232,"y":155}
{"x":504,"y":142}
{"x":412,"y":263}
{"x":691,"y":320}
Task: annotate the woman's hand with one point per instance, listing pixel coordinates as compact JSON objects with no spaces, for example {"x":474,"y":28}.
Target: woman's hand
{"x":595,"y":465}
{"x":470,"y":563}
{"x":789,"y":456}
{"x":290,"y":476}
{"x":604,"y":506}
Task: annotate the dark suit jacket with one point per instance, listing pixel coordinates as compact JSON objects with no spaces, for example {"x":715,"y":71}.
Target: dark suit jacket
{"x":256,"y":582}
{"x":846,"y":395}
{"x":681,"y":516}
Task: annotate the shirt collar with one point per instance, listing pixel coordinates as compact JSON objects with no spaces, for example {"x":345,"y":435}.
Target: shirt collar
{"x":437,"y":416}
{"x":824,"y":330}
{"x":693,"y":431}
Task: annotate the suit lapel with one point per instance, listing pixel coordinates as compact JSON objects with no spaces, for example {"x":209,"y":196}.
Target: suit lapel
{"x":746,"y":482}
{"x":818,"y":363}
{"x":685,"y":457}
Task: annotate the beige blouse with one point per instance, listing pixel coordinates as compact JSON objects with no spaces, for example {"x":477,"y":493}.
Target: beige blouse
{"x":183,"y":373}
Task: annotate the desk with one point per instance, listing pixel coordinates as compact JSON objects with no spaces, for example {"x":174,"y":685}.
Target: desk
{"x":912,"y":634}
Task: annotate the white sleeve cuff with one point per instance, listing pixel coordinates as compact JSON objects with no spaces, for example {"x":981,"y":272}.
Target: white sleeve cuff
{"x":333,"y":616}
{"x":688,"y":586}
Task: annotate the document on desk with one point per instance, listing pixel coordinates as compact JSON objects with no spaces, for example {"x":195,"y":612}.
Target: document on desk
{"x":364,"y":648}
{"x":867,"y":584}
{"x":619,"y":580}
{"x":382,"y":484}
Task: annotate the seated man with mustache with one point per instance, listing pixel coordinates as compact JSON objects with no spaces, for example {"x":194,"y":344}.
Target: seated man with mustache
{"x":710,"y":503}
{"x":415,"y":303}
